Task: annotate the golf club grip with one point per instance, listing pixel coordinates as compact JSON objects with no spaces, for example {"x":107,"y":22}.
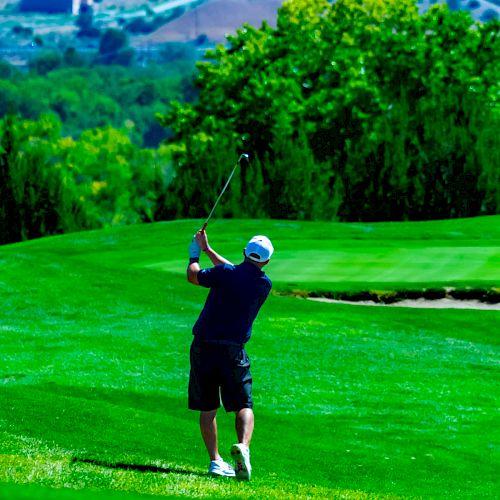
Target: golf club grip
{"x":204,"y":226}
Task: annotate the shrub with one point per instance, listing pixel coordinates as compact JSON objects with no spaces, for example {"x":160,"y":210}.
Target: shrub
{"x":50,"y":184}
{"x":112,"y":41}
{"x":46,"y":62}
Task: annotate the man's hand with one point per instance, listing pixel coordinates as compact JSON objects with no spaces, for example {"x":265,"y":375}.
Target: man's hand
{"x":194,"y":249}
{"x":202,"y":239}
{"x":194,"y":258}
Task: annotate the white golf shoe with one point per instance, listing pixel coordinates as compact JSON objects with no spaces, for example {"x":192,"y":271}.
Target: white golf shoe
{"x":220,"y":468}
{"x":241,"y":456}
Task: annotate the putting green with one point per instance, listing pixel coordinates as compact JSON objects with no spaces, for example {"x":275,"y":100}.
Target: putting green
{"x":312,"y":256}
{"x":379,"y":264}
{"x":315,"y":255}
{"x":375,"y":264}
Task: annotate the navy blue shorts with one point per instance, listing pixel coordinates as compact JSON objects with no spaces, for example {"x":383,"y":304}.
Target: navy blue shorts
{"x":219,"y":371}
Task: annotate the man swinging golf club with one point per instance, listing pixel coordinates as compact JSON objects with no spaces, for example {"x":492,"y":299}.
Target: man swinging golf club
{"x":219,"y":362}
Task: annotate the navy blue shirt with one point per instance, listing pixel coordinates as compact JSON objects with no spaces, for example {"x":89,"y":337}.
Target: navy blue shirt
{"x":235,"y":297}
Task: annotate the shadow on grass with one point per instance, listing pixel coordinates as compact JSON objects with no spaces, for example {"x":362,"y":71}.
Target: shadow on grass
{"x":137,"y":467}
{"x":392,"y":293}
{"x":109,"y":424}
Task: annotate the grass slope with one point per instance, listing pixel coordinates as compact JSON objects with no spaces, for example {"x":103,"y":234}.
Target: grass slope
{"x":351,"y":402}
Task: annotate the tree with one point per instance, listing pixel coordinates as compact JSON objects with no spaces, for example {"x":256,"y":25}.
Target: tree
{"x":112,"y":41}
{"x":9,"y":216}
{"x":113,"y":48}
{"x":72,"y":58}
{"x":34,"y":192}
{"x":51,"y":184}
{"x":7,"y":70}
{"x":366,"y":86}
{"x":9,"y":98}
{"x":88,"y":97}
{"x":45,"y":62}
{"x":85,"y":17}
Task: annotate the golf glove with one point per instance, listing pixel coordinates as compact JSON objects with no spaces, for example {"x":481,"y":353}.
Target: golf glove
{"x":194,"y":249}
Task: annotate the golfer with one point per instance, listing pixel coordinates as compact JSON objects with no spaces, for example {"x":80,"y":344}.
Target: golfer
{"x":219,"y":362}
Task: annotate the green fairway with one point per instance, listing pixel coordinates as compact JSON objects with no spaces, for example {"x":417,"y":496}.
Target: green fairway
{"x":351,"y":402}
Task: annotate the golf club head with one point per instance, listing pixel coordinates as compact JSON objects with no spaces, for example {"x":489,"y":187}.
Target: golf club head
{"x":244,"y":156}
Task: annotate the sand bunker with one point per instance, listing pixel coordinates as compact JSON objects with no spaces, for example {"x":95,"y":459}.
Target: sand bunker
{"x":446,"y":303}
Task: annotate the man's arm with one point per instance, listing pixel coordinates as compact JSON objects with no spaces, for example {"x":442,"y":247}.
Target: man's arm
{"x":201,"y":238}
{"x":193,"y":270}
{"x":194,"y":262}
{"x":200,"y":242}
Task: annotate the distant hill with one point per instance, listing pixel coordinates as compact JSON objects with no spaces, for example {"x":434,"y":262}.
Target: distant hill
{"x":215,"y":19}
{"x":209,"y":21}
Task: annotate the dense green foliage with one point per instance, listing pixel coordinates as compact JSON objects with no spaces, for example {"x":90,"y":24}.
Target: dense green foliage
{"x":356,"y":109}
{"x":353,"y":110}
{"x":86,"y":97}
{"x":352,"y":402}
{"x":52,"y":184}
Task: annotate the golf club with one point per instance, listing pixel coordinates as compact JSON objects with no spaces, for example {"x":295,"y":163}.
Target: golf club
{"x":244,"y":155}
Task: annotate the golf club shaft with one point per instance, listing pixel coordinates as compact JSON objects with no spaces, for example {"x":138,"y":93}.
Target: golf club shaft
{"x":222,"y":192}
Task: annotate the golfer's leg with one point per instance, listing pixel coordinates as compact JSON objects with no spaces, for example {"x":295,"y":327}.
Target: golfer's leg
{"x":208,"y":427}
{"x":244,"y":426}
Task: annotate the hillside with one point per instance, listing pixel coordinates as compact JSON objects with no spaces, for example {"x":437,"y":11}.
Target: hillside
{"x":183,"y":20}
{"x":215,"y":19}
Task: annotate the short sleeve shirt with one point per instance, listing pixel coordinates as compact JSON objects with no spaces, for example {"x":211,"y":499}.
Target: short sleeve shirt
{"x":235,"y":298}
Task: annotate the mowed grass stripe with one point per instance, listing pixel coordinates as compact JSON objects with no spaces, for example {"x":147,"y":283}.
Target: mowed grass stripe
{"x":55,"y":474}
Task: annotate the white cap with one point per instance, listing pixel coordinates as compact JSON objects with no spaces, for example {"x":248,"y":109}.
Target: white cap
{"x":259,"y":249}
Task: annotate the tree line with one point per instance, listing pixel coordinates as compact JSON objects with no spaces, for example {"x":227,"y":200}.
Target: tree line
{"x":82,"y":96}
{"x":357,"y":110}
{"x":52,"y":184}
